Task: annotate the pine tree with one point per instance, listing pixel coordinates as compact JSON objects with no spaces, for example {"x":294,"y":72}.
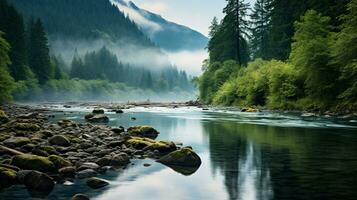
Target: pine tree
{"x":39,"y":58}
{"x":230,"y":41}
{"x":261,"y":20}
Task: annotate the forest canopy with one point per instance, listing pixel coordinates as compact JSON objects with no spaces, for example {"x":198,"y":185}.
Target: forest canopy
{"x":283,"y":55}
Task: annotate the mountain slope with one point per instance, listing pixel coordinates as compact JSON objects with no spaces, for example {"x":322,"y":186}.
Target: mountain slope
{"x":82,"y":19}
{"x":168,"y":35}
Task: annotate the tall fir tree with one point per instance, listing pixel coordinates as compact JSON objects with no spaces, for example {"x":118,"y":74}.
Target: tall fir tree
{"x":261,"y":21}
{"x":7,"y":83}
{"x":39,"y":58}
{"x":230,"y":40}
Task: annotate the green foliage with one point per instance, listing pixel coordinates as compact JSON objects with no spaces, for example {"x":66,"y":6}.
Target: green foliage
{"x":6,"y":81}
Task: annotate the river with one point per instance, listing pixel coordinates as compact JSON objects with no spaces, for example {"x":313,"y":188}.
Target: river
{"x":245,"y":156}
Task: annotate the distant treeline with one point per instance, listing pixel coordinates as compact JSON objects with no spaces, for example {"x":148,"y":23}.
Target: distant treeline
{"x":286,"y":54}
{"x":29,"y":72}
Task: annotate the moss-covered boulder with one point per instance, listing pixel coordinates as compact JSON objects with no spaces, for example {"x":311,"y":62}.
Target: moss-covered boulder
{"x":184,"y":157}
{"x":48,"y":149}
{"x":143,"y":131}
{"x":16,"y":141}
{"x":33,"y":162}
{"x":7,"y":177}
{"x":59,"y":162}
{"x":150,"y":144}
{"x":27,"y":127}
{"x":59,"y":140}
{"x":3,"y":117}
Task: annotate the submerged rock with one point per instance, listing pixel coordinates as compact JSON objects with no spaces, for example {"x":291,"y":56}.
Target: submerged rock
{"x":38,"y":183}
{"x":7,"y":177}
{"x":97,"y":183}
{"x":143,"y":131}
{"x":80,"y":197}
{"x":59,"y":140}
{"x":33,"y":162}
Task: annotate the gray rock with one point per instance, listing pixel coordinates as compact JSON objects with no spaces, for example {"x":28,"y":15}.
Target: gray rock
{"x":59,"y":140}
{"x":88,"y":165}
{"x":97,"y":183}
{"x":67,"y":172}
{"x":185,"y":157}
{"x":86,"y":173}
{"x":39,"y":182}
{"x":80,"y":197}
{"x":120,"y":159}
{"x":99,"y":119}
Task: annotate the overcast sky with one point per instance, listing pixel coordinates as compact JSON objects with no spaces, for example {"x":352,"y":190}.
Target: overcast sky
{"x":196,"y":14}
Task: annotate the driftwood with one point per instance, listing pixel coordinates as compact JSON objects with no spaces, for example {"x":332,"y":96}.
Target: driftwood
{"x":10,"y":151}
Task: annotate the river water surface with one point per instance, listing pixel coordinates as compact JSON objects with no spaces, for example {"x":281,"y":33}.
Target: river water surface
{"x":245,"y":156}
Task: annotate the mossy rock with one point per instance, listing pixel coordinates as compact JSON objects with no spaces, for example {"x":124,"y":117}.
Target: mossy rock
{"x":48,"y":149}
{"x":67,"y":123}
{"x":7,"y":177}
{"x":73,"y":139}
{"x":17,"y":141}
{"x":27,"y":127}
{"x":33,"y":162}
{"x":59,"y":162}
{"x":3,"y":117}
{"x":184,"y":157}
{"x":143,"y":131}
{"x":150,"y":144}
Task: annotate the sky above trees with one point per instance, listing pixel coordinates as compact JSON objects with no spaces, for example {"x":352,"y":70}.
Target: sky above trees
{"x":196,"y":14}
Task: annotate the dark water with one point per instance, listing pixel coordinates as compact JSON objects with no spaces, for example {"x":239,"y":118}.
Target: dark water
{"x":244,"y":156}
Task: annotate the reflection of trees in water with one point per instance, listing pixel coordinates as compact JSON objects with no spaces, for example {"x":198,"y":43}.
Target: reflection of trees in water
{"x":288,"y":163}
{"x":239,"y":161}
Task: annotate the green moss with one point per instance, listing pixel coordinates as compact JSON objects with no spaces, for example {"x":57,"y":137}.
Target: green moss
{"x":27,"y":127}
{"x":32,"y":162}
{"x":149,"y":144}
{"x":3,"y":117}
{"x":143,"y":131}
{"x":72,"y":138}
{"x":50,"y":150}
{"x":7,"y":177}
{"x":59,"y":162}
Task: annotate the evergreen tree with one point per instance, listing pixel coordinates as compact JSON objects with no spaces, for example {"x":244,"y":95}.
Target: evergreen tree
{"x":7,"y":83}
{"x":261,"y":26}
{"x":39,"y":58}
{"x":310,"y":54}
{"x":230,"y":40}
{"x":344,"y":52}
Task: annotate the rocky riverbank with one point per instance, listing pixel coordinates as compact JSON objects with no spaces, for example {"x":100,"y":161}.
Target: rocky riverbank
{"x":40,"y":154}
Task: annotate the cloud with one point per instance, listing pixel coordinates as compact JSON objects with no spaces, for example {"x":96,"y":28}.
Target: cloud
{"x":137,"y":17}
{"x":190,"y":61}
{"x":156,"y":7}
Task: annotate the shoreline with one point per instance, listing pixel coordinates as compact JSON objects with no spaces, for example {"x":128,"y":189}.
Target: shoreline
{"x":40,"y":154}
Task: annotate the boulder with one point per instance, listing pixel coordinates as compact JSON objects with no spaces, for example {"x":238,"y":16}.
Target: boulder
{"x":27,"y":127}
{"x":67,"y":172}
{"x":101,"y":118}
{"x":98,"y":111}
{"x":120,"y":159}
{"x":3,"y":117}
{"x":86,"y":173}
{"x":250,"y":110}
{"x":59,"y":140}
{"x":118,"y":130}
{"x":33,"y":162}
{"x":105,"y":161}
{"x":152,"y":145}
{"x":7,"y":177}
{"x":59,"y":162}
{"x":16,"y":141}
{"x":80,"y":197}
{"x":38,"y":182}
{"x":184,"y":157}
{"x":143,"y":131}
{"x":97,"y":183}
{"x":88,"y":165}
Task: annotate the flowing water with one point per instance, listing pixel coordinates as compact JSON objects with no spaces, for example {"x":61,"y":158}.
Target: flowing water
{"x":244,"y":156}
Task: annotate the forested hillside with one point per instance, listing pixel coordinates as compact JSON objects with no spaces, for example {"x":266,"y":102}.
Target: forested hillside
{"x":285,"y":54}
{"x":31,"y":71}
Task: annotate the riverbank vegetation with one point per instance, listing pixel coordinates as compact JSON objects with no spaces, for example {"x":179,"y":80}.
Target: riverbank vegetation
{"x":296,"y":55}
